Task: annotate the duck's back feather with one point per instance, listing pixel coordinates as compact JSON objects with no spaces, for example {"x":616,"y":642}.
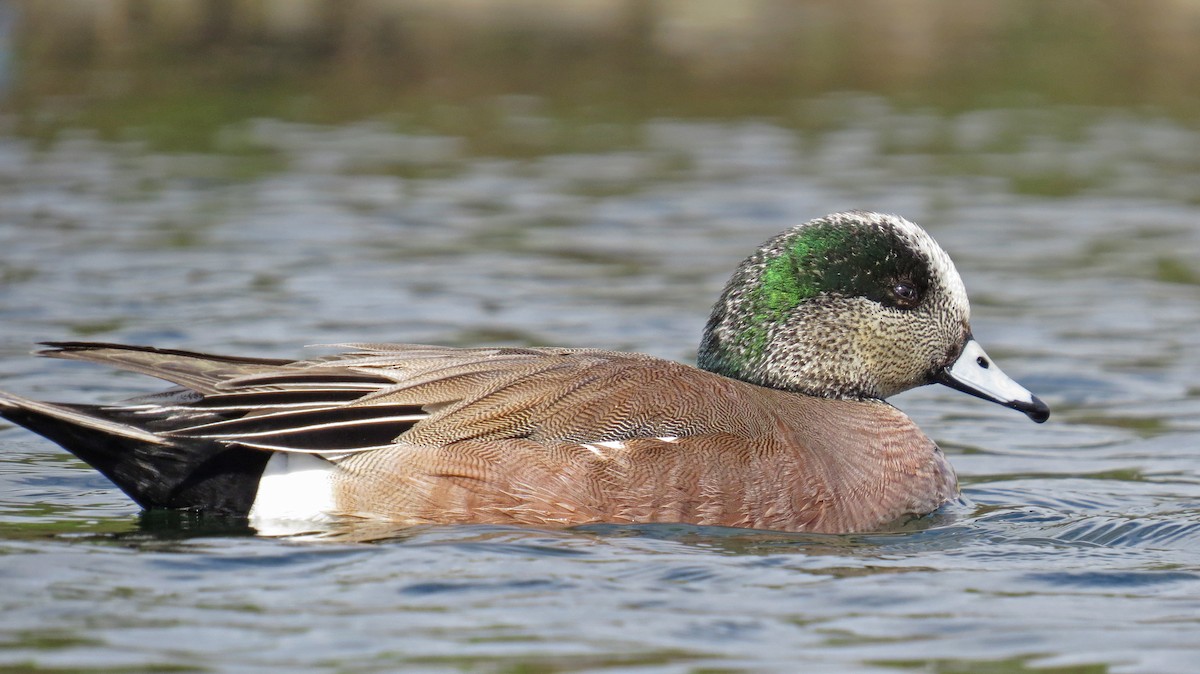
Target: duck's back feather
{"x":546,"y":436}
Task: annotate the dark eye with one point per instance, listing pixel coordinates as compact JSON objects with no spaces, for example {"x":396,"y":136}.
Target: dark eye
{"x":905,"y":294}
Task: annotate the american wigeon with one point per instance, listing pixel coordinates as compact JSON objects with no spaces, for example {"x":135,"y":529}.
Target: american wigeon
{"x":782,"y":426}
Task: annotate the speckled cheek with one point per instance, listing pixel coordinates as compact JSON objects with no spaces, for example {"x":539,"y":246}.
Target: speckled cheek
{"x":901,"y":349}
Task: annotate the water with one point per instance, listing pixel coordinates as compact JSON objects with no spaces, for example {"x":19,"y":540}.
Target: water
{"x":1075,"y":544}
{"x":1075,"y":547}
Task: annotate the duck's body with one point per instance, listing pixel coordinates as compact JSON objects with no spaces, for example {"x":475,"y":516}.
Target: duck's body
{"x":416,"y":434}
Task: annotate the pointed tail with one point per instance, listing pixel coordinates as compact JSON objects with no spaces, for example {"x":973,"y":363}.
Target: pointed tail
{"x":155,"y":471}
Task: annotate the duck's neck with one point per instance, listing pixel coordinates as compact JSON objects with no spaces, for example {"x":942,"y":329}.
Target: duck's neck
{"x":816,"y":377}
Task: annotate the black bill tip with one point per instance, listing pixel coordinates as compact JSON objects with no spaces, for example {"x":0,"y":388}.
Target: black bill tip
{"x":1035,"y":409}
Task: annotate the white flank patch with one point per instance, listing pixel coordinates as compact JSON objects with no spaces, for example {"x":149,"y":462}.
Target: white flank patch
{"x":611,"y":444}
{"x":668,"y":438}
{"x":295,"y":491}
{"x":593,"y":449}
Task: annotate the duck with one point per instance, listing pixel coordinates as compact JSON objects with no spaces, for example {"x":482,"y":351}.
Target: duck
{"x":782,"y":424}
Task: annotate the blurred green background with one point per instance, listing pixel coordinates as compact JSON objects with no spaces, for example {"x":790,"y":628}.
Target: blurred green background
{"x":532,"y":77}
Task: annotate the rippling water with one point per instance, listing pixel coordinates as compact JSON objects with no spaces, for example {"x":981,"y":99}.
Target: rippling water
{"x":1076,"y":544}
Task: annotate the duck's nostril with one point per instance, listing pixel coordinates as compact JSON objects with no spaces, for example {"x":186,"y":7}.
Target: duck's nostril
{"x":982,"y":362}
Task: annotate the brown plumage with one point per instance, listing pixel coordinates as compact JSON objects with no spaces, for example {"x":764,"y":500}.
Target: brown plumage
{"x":545,"y":436}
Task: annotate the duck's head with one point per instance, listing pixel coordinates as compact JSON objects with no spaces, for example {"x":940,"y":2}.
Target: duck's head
{"x":853,"y":305}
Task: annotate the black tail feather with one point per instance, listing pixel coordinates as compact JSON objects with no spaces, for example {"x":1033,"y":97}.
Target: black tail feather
{"x":93,"y":351}
{"x":187,"y":473}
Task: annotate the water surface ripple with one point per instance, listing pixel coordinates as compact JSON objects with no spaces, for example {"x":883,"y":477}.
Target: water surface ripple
{"x":1075,"y":544}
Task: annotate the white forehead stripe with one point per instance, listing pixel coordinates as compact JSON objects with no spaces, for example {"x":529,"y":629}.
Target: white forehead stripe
{"x":941,"y":267}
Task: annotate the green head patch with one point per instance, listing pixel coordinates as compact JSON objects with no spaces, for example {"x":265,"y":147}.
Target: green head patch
{"x":840,"y":257}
